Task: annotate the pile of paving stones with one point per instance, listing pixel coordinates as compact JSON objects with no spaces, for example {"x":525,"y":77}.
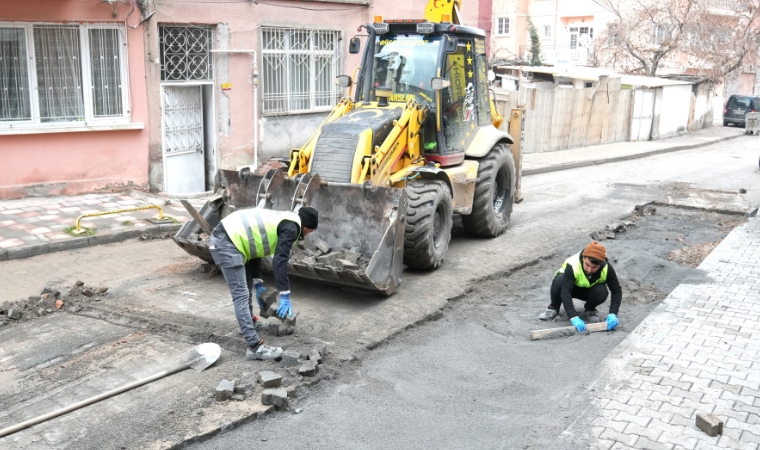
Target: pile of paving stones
{"x":50,"y":301}
{"x":320,"y":254}
{"x":276,"y":389}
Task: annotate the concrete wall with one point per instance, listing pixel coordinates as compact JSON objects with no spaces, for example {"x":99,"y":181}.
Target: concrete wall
{"x":56,"y":162}
{"x":672,"y":105}
{"x":237,"y":26}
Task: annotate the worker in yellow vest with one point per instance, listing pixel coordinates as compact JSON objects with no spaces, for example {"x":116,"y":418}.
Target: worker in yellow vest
{"x":585,"y":276}
{"x":237,"y":245}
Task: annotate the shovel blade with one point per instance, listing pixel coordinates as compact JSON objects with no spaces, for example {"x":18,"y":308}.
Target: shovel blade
{"x":201,"y":356}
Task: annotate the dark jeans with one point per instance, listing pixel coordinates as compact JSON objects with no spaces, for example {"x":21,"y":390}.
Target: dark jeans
{"x":239,"y":277}
{"x":593,"y":296}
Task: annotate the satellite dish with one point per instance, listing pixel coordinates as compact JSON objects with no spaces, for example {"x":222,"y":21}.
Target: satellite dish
{"x":584,"y":40}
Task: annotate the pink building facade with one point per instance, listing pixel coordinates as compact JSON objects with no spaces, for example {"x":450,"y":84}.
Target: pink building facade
{"x":73,"y":110}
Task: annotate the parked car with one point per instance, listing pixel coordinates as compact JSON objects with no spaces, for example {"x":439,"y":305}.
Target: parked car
{"x":737,"y":107}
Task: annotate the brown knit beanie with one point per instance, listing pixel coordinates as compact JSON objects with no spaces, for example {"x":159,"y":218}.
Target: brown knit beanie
{"x":595,"y":250}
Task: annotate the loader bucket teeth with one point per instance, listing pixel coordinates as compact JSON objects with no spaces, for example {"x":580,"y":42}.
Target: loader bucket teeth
{"x":360,"y":239}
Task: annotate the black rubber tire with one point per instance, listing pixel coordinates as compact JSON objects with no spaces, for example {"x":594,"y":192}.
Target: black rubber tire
{"x":428,"y":224}
{"x":494,"y":194}
{"x":725,"y":123}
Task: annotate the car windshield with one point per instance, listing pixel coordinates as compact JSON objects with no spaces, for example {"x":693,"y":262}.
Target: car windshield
{"x":406,"y":64}
{"x":740,"y":102}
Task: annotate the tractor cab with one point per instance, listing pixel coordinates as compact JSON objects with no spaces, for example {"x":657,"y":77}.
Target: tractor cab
{"x":442,"y":67}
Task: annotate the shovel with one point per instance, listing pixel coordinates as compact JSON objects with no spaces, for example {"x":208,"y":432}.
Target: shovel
{"x":198,"y":358}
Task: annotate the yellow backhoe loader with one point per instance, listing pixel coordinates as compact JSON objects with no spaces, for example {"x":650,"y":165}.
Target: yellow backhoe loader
{"x":415,"y":141}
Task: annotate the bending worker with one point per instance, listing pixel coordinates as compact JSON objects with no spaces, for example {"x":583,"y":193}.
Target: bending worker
{"x":585,"y":276}
{"x":237,"y":245}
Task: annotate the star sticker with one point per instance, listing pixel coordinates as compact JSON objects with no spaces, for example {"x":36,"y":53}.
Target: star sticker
{"x":462,"y":143}
{"x":468,"y":47}
{"x":472,"y":125}
{"x":469,"y":61}
{"x":468,"y":134}
{"x":469,"y":74}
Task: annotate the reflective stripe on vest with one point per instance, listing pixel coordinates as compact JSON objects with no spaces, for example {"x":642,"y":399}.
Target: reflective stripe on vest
{"x":580,"y":276}
{"x":254,"y":231}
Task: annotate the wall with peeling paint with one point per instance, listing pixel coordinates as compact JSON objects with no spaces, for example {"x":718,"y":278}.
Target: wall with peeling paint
{"x":56,"y":162}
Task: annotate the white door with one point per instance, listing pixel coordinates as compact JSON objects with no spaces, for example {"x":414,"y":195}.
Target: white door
{"x":643,"y":111}
{"x":182,"y":111}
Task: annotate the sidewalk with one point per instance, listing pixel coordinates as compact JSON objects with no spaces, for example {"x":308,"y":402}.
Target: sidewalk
{"x":698,"y":351}
{"x":535,"y":163}
{"x":34,"y":226}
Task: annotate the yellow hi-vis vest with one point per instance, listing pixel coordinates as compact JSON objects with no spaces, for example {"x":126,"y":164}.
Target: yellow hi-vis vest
{"x":254,"y":231}
{"x":580,"y":276}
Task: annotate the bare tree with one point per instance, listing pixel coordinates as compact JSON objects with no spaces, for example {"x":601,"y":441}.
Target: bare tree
{"x":706,"y":38}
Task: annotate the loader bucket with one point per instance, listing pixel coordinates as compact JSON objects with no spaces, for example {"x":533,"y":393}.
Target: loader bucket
{"x":353,"y":219}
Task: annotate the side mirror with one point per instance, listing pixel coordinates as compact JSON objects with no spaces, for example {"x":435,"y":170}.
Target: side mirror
{"x":439,"y":84}
{"x":343,"y":81}
{"x":451,"y":44}
{"x":354,"y":45}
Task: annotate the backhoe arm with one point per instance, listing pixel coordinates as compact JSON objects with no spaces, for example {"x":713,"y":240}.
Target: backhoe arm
{"x":401,"y":148}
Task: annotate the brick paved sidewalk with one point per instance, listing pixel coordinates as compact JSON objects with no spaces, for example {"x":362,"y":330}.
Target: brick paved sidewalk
{"x":33,"y":226}
{"x":697,"y":351}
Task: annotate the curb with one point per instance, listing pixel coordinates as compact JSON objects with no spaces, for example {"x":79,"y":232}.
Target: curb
{"x":27,"y":251}
{"x":593,"y":162}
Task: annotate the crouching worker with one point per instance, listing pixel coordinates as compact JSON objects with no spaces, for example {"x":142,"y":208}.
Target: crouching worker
{"x":237,"y":245}
{"x":585,"y":276}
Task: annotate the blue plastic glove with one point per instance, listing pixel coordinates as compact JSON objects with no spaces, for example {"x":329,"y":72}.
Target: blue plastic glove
{"x":284,"y":309}
{"x":260,"y":289}
{"x":579,"y":324}
{"x":612,"y":322}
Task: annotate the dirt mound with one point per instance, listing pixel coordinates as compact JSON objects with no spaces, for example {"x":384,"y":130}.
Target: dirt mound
{"x":693,"y":255}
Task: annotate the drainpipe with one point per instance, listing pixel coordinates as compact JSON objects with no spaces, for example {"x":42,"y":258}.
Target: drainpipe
{"x":255,"y":69}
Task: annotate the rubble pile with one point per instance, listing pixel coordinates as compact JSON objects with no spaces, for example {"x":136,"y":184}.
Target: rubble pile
{"x":50,"y":301}
{"x":320,"y":254}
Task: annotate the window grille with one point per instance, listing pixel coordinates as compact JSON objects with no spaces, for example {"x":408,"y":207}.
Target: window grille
{"x":52,"y":74}
{"x":105,"y":72}
{"x":502,"y":25}
{"x":186,"y":53}
{"x":15,"y":102}
{"x":299,"y":68}
{"x":547,"y":31}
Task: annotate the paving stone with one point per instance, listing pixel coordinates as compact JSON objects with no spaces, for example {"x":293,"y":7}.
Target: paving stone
{"x":224,"y":390}
{"x":276,"y":397}
{"x":269,"y":379}
{"x":709,"y":423}
{"x":315,"y":356}
{"x":291,"y":358}
{"x":643,"y":442}
{"x":626,"y":439}
{"x":649,"y":433}
{"x":308,"y":369}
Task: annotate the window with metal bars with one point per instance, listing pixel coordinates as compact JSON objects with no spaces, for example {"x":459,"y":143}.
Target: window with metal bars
{"x":54,"y":74}
{"x":299,"y":69}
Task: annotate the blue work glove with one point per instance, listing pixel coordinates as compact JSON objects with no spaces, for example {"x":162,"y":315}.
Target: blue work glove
{"x":284,"y":309}
{"x":579,"y":324}
{"x":612,"y":322}
{"x":260,"y":289}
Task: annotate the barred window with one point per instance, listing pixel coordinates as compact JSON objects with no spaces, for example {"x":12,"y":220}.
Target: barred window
{"x":62,"y":74}
{"x":299,"y":70}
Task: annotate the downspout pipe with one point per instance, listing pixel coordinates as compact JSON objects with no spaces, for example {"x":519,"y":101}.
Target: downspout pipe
{"x":255,"y":69}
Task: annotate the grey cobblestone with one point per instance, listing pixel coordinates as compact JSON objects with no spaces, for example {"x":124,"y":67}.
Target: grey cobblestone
{"x":697,"y":351}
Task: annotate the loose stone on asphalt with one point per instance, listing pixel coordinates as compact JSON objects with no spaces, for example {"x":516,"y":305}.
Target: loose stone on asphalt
{"x":695,"y":356}
{"x":269,"y":379}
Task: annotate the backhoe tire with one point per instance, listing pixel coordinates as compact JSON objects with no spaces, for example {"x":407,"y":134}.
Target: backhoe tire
{"x":494,"y":194}
{"x":428,"y":224}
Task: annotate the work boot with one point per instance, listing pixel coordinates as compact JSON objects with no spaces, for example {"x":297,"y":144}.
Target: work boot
{"x":549,"y":314}
{"x":263,"y":352}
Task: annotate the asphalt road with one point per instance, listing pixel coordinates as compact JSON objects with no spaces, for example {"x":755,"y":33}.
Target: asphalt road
{"x":473,"y":379}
